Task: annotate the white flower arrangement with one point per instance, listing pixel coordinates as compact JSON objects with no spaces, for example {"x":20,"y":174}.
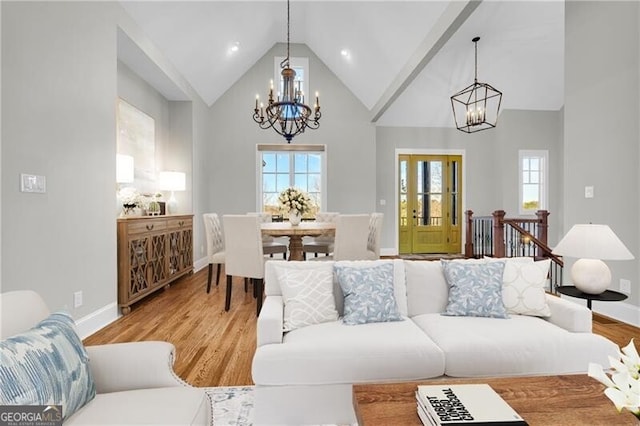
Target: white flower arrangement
{"x":130,"y":197}
{"x":294,"y":199}
{"x":623,"y":382}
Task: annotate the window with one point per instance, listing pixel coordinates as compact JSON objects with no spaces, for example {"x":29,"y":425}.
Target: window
{"x":533,"y":181}
{"x":284,"y":166}
{"x":300,"y":66}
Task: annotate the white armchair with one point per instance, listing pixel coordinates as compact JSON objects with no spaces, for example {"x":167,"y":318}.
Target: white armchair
{"x":135,"y":382}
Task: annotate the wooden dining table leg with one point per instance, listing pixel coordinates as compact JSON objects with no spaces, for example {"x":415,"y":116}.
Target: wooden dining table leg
{"x":295,"y":247}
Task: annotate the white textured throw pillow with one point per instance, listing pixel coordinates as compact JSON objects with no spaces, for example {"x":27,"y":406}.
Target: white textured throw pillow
{"x":308,"y":295}
{"x":523,"y":288}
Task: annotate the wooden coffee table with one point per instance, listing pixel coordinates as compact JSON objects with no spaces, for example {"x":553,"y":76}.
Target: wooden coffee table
{"x":540,"y":400}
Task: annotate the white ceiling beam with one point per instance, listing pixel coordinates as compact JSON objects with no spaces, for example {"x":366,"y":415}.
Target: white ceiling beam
{"x":452,"y":18}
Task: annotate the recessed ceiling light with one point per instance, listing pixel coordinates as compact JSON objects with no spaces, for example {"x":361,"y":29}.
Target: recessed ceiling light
{"x":345,"y":53}
{"x":234,"y":47}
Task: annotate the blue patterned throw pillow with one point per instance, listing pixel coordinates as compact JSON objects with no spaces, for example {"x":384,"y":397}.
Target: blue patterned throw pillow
{"x":475,"y":289}
{"x":47,"y":365}
{"x":368,"y":294}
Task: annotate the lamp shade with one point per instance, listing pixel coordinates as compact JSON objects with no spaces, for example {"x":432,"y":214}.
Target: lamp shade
{"x":591,"y":241}
{"x":124,"y":168}
{"x":172,"y":181}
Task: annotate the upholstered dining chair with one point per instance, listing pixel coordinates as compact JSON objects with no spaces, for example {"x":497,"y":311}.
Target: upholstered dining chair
{"x":321,"y":243}
{"x":352,"y":234}
{"x":375,"y":231}
{"x":215,"y":245}
{"x":244,"y":255}
{"x":269,"y":244}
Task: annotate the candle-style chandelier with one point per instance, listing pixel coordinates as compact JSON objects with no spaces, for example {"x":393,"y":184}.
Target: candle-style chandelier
{"x":476,"y":107}
{"x":287,"y":114}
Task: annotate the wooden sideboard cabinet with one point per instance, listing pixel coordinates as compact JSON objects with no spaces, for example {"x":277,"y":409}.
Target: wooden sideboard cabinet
{"x":153,"y":251}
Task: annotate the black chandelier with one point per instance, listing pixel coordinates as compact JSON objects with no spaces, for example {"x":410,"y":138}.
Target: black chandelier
{"x":476,"y":107}
{"x":287,"y":114}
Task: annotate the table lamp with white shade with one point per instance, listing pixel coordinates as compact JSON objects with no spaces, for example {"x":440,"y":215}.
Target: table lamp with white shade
{"x":592,"y":244}
{"x":172,"y":181}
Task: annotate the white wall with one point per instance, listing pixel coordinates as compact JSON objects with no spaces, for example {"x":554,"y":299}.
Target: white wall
{"x":58,"y":95}
{"x":345,"y":128}
{"x":601,"y":130}
{"x":59,"y":92}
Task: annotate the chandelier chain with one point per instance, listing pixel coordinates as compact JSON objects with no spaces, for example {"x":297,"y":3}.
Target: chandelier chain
{"x":476,"y":68}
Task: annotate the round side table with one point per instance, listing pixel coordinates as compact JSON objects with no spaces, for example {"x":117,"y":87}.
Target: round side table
{"x":606,"y":296}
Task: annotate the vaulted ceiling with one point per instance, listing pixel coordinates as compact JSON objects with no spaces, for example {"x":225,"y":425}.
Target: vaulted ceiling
{"x":403,"y":60}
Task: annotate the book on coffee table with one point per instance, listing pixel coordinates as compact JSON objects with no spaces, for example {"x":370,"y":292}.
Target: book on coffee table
{"x":453,"y":405}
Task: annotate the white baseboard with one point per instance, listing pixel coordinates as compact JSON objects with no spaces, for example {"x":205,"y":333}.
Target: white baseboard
{"x":96,"y":320}
{"x":620,"y":311}
{"x":390,"y":251}
{"x":200,"y":264}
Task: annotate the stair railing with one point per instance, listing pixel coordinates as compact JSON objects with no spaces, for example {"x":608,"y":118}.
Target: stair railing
{"x":497,"y":236}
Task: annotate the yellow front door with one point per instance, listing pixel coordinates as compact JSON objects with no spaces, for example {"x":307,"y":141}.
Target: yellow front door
{"x":430,"y":207}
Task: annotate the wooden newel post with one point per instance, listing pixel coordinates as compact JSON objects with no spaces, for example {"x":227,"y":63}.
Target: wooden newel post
{"x":543,"y":226}
{"x":468,"y":245}
{"x":498,"y":233}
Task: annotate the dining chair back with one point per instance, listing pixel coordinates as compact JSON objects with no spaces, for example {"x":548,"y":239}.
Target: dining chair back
{"x":375,"y":231}
{"x":244,"y":255}
{"x":322,"y":243}
{"x":269,"y":244}
{"x":215,"y":245}
{"x":352,"y":234}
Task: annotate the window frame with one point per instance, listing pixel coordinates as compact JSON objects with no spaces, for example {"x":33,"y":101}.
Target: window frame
{"x":292,"y":150}
{"x":543,"y":184}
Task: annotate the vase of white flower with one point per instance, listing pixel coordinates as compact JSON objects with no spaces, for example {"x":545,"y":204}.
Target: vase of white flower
{"x":623,"y":382}
{"x":130,"y":199}
{"x":294,"y":217}
{"x":296,"y":202}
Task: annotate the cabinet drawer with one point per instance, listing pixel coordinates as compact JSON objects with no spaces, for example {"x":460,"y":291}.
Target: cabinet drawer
{"x":140,"y":227}
{"x":177,"y":223}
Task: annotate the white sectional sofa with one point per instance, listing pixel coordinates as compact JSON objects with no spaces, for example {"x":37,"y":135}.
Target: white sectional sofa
{"x":426,"y":344}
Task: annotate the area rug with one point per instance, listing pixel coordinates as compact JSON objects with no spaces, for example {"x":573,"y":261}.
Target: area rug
{"x":232,"y":405}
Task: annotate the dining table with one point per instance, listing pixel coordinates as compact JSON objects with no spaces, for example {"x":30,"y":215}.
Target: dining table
{"x":296,"y":232}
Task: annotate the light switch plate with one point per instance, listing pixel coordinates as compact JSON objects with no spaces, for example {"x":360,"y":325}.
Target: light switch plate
{"x":588,"y":192}
{"x":33,"y":183}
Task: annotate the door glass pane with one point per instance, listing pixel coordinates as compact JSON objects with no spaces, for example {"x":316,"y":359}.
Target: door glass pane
{"x":404,"y":214}
{"x":435,"y":176}
{"x":454,"y":209}
{"x":454,"y":176}
{"x":420,"y":174}
{"x":422,"y":209}
{"x":435,"y":210}
{"x":403,"y":210}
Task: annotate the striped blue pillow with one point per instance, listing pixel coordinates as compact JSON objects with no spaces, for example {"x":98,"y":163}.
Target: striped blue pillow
{"x":47,"y":365}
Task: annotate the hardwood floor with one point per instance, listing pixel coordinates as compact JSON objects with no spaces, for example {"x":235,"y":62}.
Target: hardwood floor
{"x":214,"y":347}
